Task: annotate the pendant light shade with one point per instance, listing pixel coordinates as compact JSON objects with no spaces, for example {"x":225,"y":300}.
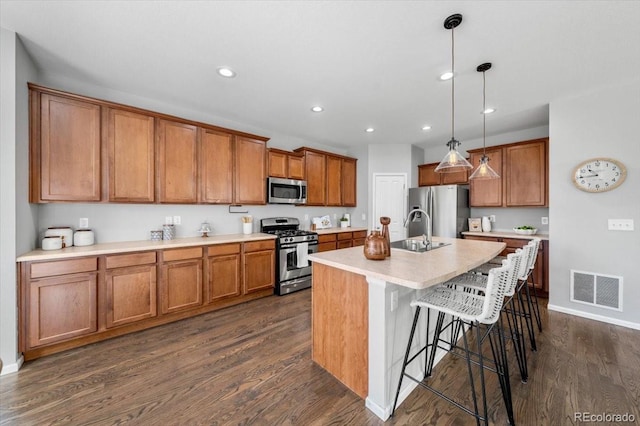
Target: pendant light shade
{"x":484,"y":170}
{"x":453,"y":161}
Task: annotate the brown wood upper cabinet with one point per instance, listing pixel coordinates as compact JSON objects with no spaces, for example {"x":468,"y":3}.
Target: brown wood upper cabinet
{"x":131,"y":156}
{"x":331,"y":178}
{"x":84,"y":149}
{"x":177,"y":162}
{"x":65,"y":144}
{"x":524,"y":176}
{"x":250,"y":171}
{"x":427,"y":176}
{"x":284,"y":164}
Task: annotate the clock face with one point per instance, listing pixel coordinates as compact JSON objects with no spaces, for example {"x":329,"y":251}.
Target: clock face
{"x":599,"y":174}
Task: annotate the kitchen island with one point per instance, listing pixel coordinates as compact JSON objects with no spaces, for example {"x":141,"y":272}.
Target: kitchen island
{"x":361,"y":314}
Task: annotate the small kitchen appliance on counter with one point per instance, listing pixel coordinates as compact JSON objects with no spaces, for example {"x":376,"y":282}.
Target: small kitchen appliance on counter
{"x":293,"y":245}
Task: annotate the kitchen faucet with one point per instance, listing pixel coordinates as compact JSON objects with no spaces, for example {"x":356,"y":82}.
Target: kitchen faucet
{"x":425,"y":236}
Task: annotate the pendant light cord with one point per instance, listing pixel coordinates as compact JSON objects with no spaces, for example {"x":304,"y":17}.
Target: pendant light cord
{"x":453,"y":79}
{"x":484,"y":115}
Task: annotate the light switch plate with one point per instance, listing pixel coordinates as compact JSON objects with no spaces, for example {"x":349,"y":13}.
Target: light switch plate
{"x":620,"y":224}
{"x":177,"y":220}
{"x":83,"y":223}
{"x":545,"y":220}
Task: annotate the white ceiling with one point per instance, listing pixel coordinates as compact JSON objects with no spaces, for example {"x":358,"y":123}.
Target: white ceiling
{"x":368,"y":63}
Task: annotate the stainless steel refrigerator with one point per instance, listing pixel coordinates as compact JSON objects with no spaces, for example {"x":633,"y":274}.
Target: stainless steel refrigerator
{"x":448,"y":208}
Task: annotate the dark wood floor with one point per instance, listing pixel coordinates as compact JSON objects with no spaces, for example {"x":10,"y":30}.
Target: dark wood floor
{"x":251,"y":364}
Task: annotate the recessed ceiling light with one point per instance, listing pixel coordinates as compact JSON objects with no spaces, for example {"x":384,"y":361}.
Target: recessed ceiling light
{"x":317,"y":108}
{"x":446,"y":76}
{"x":426,"y":127}
{"x":489,"y":111}
{"x":369,"y":129}
{"x":226,"y":72}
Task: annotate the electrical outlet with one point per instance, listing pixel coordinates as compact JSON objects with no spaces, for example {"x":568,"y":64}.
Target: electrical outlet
{"x":335,"y":217}
{"x":492,"y":218}
{"x":364,"y":217}
{"x":394,"y":300}
{"x":168,"y":220}
{"x":177,"y":220}
{"x":84,"y":223}
{"x":620,"y":224}
{"x":545,"y":220}
{"x":306,"y":217}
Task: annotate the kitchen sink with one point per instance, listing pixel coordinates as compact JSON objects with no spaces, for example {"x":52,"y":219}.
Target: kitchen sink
{"x":417,"y":246}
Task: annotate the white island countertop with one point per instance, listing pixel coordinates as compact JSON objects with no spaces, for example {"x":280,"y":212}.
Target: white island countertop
{"x":415,"y":270}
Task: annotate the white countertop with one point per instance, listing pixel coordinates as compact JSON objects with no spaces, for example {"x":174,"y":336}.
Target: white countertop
{"x":131,"y":246}
{"x":506,"y":234}
{"x":338,"y":229}
{"x":415,"y":270}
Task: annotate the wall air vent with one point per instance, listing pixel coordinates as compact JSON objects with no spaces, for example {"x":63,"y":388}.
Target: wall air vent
{"x":600,"y":290}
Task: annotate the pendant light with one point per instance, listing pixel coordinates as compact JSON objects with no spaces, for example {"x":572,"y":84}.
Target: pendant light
{"x":453,"y":161}
{"x":484,"y":170}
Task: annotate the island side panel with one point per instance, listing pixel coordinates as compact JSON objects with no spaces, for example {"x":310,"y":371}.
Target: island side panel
{"x":340,"y":332}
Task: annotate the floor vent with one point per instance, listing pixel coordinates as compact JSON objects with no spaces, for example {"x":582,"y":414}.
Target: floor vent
{"x":594,"y":289}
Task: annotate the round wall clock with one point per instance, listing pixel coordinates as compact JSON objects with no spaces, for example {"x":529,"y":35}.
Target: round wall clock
{"x":599,"y":174}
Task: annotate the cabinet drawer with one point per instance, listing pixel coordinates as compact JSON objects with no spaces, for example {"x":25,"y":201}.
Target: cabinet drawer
{"x":359,"y":234}
{"x":331,"y":245}
{"x":326,"y":238}
{"x":62,"y":267}
{"x":181,"y":254}
{"x":344,"y":244}
{"x":345,"y":236}
{"x":122,"y":260}
{"x":260,"y":245}
{"x":223,"y":249}
{"x":474,"y":237}
{"x":358,"y":242}
{"x":515,"y":243}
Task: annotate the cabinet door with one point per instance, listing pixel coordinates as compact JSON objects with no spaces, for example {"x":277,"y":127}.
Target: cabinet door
{"x":427,"y":175}
{"x":525,"y":174}
{"x":315,"y":165}
{"x":61,"y":308}
{"x":224,"y":277}
{"x":334,"y":181}
{"x":295,"y":164}
{"x":177,"y":162}
{"x":455,"y":178}
{"x":277,"y":164}
{"x":69,"y":150}
{"x":250,"y":171}
{"x":216,"y":167}
{"x":487,"y":192}
{"x":131,"y":294}
{"x":349,"y":182}
{"x":131,"y":156}
{"x":259,"y":270}
{"x":181,"y":285}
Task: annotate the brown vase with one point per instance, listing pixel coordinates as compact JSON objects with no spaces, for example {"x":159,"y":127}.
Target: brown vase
{"x":374,"y":246}
{"x":385,"y":221}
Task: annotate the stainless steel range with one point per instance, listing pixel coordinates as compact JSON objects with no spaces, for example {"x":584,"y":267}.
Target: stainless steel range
{"x":293,"y":245}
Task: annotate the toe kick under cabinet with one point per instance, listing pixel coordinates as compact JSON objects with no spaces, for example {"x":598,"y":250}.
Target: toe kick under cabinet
{"x":71,"y":302}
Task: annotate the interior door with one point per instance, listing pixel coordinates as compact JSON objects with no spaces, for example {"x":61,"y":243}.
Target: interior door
{"x":389,"y":199}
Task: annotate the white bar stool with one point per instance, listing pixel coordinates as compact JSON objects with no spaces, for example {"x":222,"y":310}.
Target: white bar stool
{"x":466,"y":309}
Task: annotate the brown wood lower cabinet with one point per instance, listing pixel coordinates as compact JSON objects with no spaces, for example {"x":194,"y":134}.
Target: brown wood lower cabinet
{"x":61,"y":308}
{"x":340,"y":240}
{"x":69,"y":303}
{"x":541,"y":268}
{"x":225,"y":277}
{"x":181,"y":284}
{"x":259,"y":266}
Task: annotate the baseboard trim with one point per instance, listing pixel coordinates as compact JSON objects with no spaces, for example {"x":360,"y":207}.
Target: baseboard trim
{"x":12,"y":368}
{"x":595,"y":317}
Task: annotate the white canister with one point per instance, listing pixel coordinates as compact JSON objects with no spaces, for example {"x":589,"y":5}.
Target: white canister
{"x":52,"y":242}
{"x":61,"y":231}
{"x":486,"y":224}
{"x":84,"y":237}
{"x":247,"y":228}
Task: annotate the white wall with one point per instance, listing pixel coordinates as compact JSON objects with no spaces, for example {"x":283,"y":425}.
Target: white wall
{"x":602,"y":123}
{"x":17,"y":218}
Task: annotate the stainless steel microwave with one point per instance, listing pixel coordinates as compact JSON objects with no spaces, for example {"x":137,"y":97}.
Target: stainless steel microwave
{"x":286,"y":191}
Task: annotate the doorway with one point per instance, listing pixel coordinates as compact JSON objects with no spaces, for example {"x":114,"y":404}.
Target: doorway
{"x":390,"y":199}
